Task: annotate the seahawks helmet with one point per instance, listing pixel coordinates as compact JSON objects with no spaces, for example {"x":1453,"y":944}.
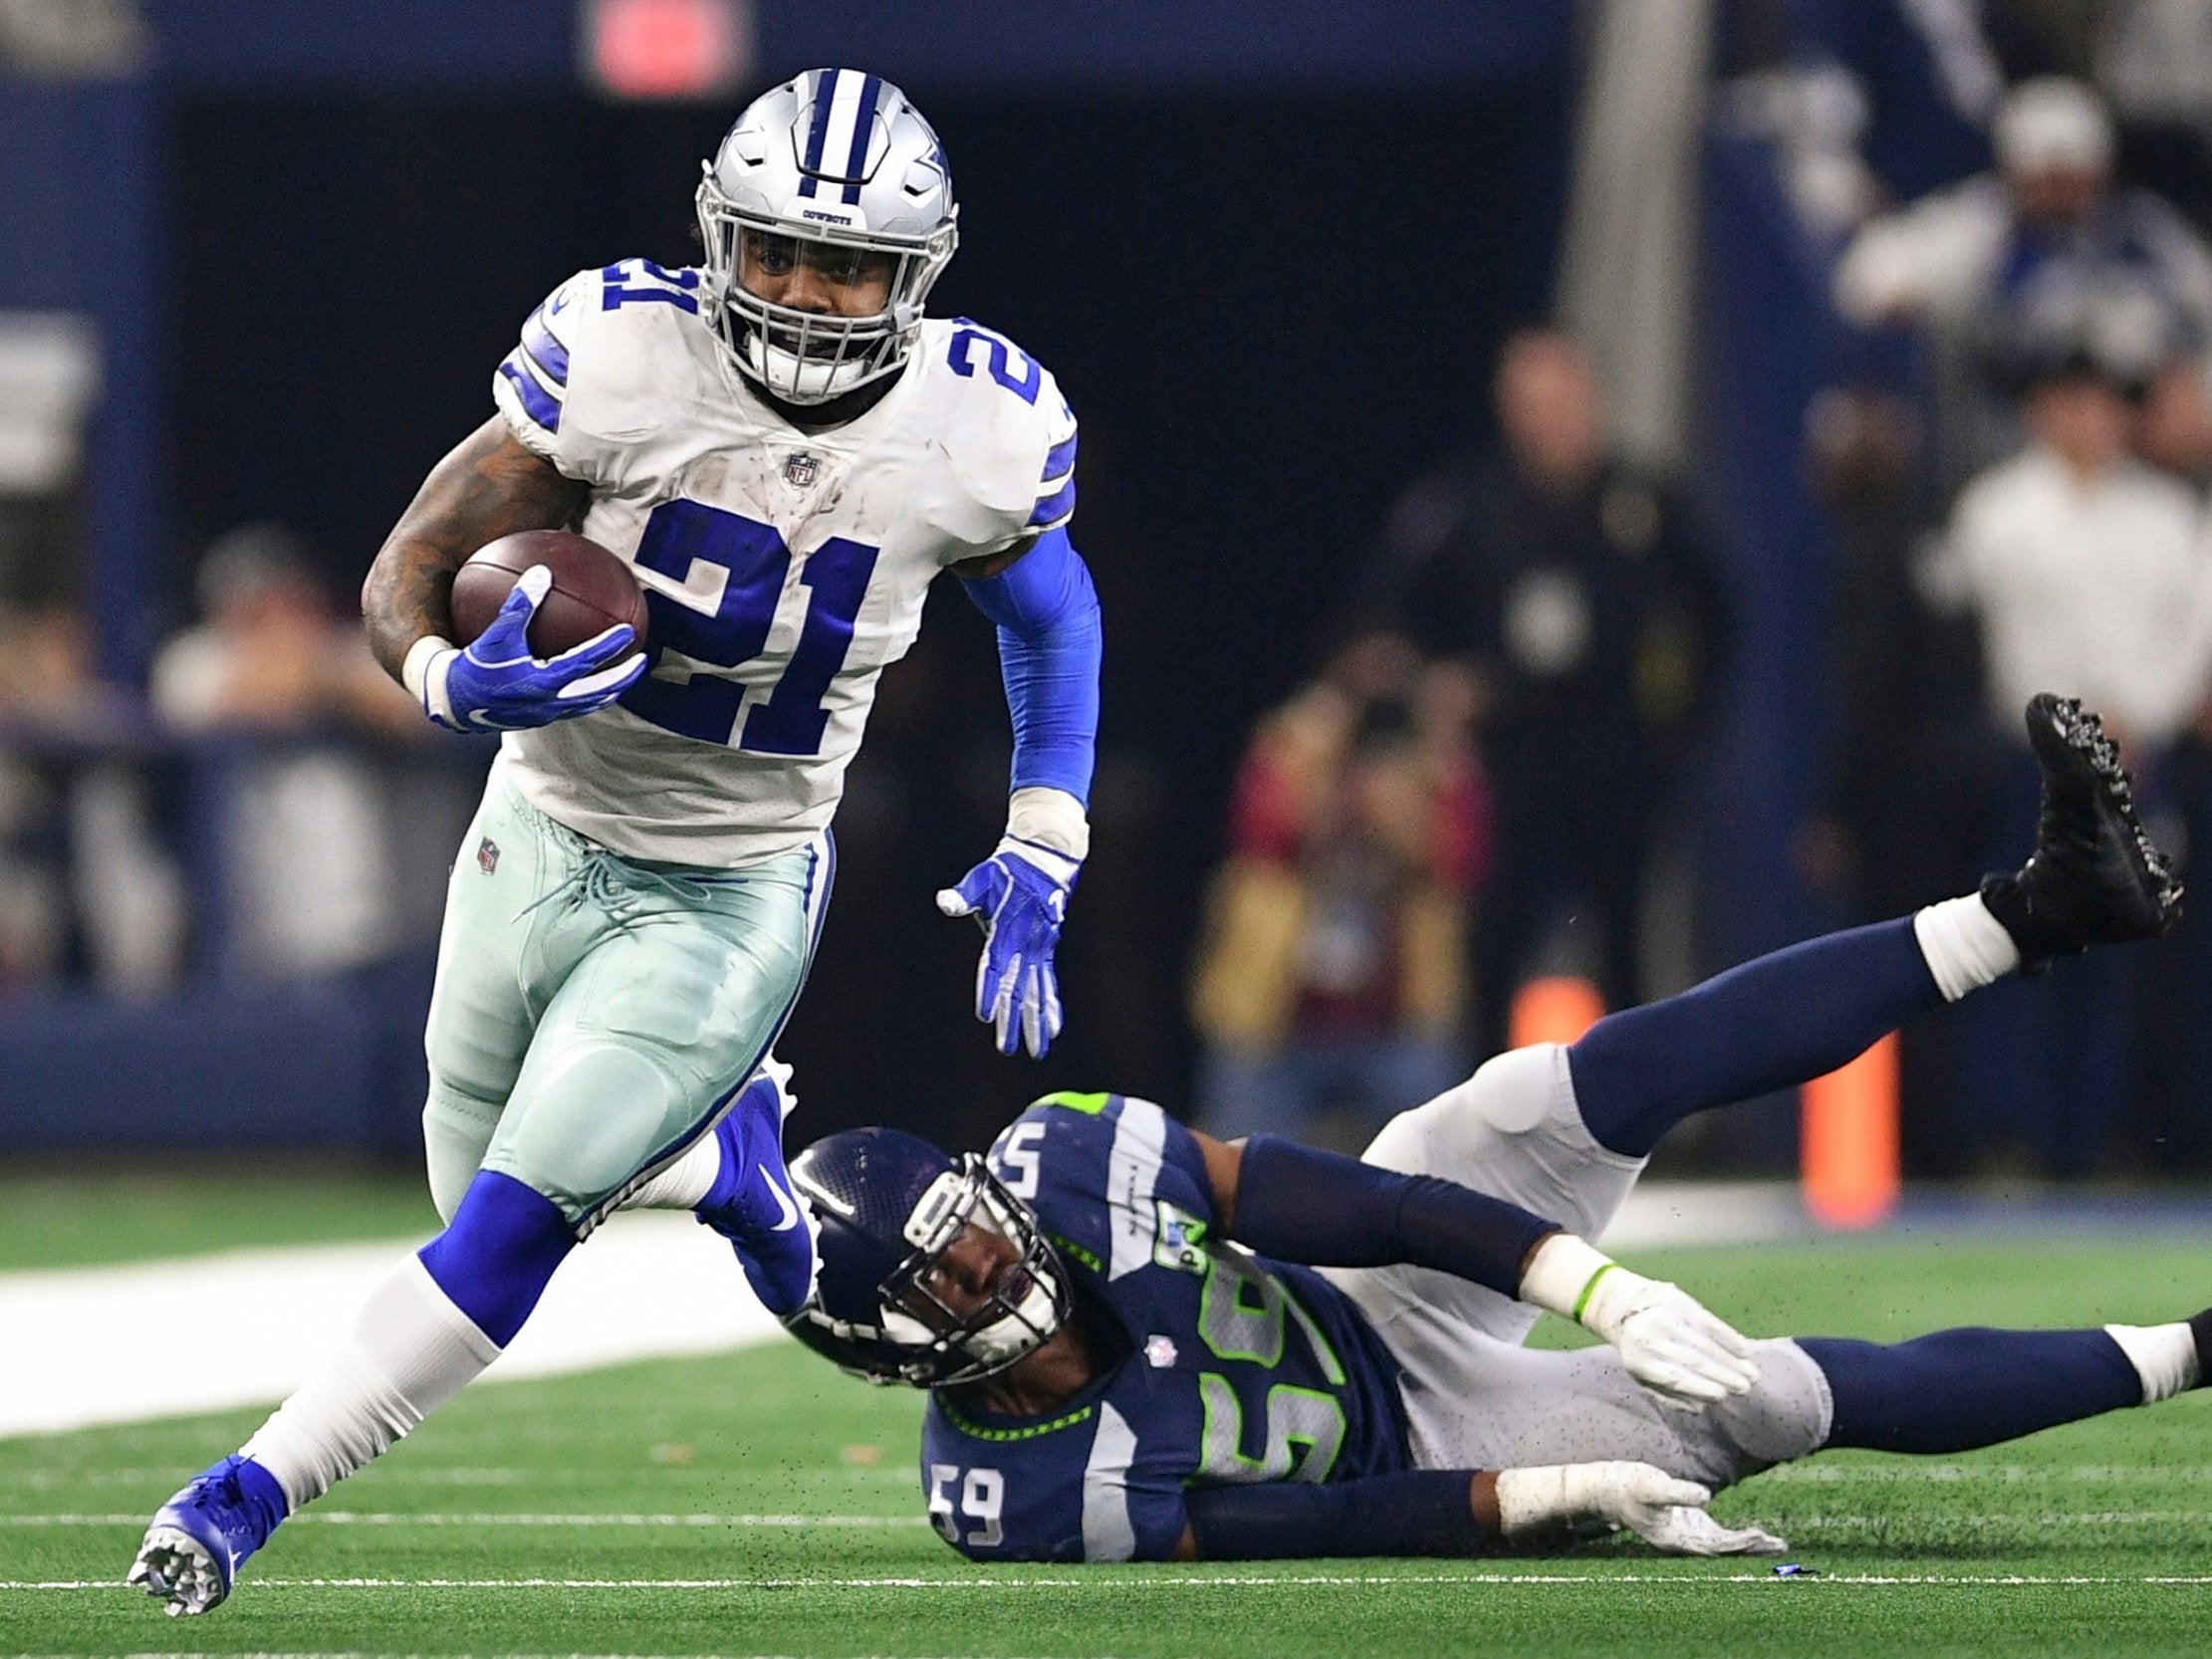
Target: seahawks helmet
{"x":887,"y":1206}
{"x":839,"y":161}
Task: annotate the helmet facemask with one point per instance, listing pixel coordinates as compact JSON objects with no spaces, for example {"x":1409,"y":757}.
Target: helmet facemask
{"x":810,"y":357}
{"x":1028,"y":1300}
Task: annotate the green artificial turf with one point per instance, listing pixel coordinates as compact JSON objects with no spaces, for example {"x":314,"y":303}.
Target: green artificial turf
{"x":760,"y":1504}
{"x":90,"y":1220}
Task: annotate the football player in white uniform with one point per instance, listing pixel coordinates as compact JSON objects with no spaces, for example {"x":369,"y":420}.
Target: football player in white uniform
{"x":786,"y":453}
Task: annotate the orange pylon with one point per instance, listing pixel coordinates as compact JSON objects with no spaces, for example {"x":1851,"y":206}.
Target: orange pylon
{"x":1554,"y":1010}
{"x":1847,"y":1140}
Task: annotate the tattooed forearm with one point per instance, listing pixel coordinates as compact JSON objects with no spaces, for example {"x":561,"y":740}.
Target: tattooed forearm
{"x":486,"y":488}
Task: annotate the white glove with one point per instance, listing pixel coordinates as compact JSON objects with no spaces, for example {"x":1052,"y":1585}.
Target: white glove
{"x":1666,"y":1338}
{"x":1668,"y":1513}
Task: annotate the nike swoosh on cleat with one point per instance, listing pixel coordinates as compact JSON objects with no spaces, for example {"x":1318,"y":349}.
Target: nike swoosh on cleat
{"x":784,"y":1205}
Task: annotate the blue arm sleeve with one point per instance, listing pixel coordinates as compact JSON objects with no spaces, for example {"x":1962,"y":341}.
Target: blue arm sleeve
{"x":1050,"y":643}
{"x":1416,"y":1512}
{"x":1325,"y":1210}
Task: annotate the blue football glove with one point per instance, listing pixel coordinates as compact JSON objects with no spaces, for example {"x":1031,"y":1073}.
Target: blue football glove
{"x":1020,"y":897}
{"x":496,"y":685}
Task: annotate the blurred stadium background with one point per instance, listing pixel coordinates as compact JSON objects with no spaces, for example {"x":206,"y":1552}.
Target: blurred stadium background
{"x":1551,"y":471}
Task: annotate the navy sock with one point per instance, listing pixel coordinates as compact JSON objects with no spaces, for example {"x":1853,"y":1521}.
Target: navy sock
{"x":496,"y":1256}
{"x":1955,"y":1391}
{"x":1774,"y":1021}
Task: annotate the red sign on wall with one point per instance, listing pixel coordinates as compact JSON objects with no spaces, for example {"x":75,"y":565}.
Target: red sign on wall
{"x":650,"y":49}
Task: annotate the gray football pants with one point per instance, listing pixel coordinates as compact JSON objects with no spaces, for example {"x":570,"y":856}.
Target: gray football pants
{"x":594,"y":1016}
{"x":1476,"y":1398}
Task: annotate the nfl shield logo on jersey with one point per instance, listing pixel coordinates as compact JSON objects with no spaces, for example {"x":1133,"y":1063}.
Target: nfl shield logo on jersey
{"x":800,"y":470}
{"x":487,"y":855}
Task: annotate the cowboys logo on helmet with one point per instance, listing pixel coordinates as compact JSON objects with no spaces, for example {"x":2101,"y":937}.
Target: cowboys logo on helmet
{"x":892,"y":1303}
{"x":833,"y":169}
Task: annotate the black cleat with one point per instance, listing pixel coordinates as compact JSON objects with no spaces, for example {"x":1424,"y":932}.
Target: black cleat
{"x":2095,"y":878}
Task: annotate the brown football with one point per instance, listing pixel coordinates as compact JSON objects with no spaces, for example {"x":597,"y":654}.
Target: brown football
{"x":591,"y":589}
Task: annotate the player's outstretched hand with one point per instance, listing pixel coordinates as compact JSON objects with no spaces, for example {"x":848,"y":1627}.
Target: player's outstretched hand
{"x":496,"y":685}
{"x":1685,"y":1530}
{"x":1666,"y":1338}
{"x":1668,"y":1341}
{"x":1019,"y":896}
{"x":1666,"y":1513}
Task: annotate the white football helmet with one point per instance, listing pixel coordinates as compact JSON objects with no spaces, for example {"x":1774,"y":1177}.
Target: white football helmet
{"x":835,"y":160}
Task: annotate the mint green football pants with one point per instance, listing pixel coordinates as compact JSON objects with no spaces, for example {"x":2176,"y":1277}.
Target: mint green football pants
{"x":594,"y":1016}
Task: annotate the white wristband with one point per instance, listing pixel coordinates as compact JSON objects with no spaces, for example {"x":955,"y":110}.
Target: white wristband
{"x":1560,"y":1275}
{"x":429,"y":661}
{"x":1049,"y":818}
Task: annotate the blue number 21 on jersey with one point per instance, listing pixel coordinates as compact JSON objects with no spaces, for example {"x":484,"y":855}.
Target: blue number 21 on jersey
{"x":681,"y":534}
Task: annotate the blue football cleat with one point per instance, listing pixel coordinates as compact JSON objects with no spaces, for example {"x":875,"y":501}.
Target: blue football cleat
{"x":752,"y":1204}
{"x":200,"y":1537}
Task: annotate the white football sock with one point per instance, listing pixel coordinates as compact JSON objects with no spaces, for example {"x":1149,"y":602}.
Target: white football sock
{"x":2164,"y":1356}
{"x":1966,"y":947}
{"x":410,"y":1352}
{"x":684,"y":1184}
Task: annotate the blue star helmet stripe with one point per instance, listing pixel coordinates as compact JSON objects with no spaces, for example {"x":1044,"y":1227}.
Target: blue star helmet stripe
{"x":864,"y":127}
{"x":825,"y":95}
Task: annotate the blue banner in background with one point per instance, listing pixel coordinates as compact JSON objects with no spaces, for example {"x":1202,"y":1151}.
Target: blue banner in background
{"x":1037,"y":44}
{"x":1769,"y":341}
{"x":81,"y":231}
{"x":1148,"y":44}
{"x":272,"y":45}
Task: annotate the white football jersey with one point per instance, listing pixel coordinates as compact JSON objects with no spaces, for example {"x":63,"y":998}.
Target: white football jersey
{"x":783,"y":568}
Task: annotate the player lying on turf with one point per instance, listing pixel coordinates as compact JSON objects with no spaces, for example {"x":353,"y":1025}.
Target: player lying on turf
{"x":1131,"y":1355}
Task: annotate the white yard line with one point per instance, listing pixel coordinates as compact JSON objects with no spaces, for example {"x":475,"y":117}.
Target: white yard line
{"x":1660,"y":1215}
{"x":1919,"y":1471}
{"x":121,"y":1345}
{"x":1796,"y":1524}
{"x":355,"y":1517}
{"x":1118,"y":1580}
{"x":2025,"y":1474}
{"x":69,"y":1480}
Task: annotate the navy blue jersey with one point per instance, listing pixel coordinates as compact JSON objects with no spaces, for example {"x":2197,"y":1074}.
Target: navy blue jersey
{"x":1242,"y":1369}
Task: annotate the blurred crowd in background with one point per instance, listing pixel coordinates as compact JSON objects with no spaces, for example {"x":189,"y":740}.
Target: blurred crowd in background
{"x":1497,"y":767}
{"x":1473,"y":791}
{"x":2015,"y":465}
{"x":233,"y":821}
